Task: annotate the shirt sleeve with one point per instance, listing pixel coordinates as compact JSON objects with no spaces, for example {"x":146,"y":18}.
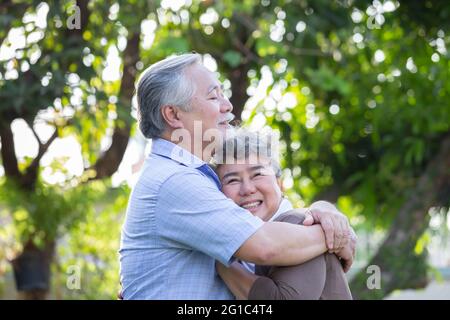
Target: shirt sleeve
{"x":192,"y":212}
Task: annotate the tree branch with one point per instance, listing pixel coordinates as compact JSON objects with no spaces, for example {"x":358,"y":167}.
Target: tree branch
{"x":43,"y":147}
{"x":35,"y":135}
{"x":28,"y":180}
{"x":309,"y":52}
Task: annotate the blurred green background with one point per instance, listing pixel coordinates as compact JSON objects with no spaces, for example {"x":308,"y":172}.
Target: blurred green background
{"x":358,"y":90}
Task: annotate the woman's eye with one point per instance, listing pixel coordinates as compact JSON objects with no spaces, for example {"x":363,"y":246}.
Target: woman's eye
{"x":257,"y":174}
{"x":232,"y":181}
{"x":213,"y":98}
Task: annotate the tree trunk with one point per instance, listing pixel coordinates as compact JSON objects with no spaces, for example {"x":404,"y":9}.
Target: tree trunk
{"x":401,"y":267}
{"x":109,"y":162}
{"x":238,"y":76}
{"x":8,"y":152}
{"x":32,"y":266}
{"x":239,"y":80}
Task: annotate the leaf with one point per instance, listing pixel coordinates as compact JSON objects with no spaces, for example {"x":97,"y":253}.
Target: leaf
{"x":233,"y":58}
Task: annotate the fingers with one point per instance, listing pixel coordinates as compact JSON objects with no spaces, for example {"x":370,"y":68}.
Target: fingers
{"x":338,"y":232}
{"x":345,"y":231}
{"x":309,"y":220}
{"x":335,"y":226}
{"x":347,"y":254}
{"x":331,"y":228}
{"x":340,"y":238}
{"x":328,"y":229}
{"x":346,"y":265}
{"x":353,"y":240}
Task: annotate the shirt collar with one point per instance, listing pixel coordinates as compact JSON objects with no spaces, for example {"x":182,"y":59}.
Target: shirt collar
{"x":172,"y":151}
{"x":285,"y":205}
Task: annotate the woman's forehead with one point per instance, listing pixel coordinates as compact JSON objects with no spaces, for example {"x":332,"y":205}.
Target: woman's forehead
{"x":247,"y":160}
{"x":245,"y":166}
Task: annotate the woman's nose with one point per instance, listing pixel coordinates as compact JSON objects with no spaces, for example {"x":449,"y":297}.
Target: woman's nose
{"x":247,"y":187}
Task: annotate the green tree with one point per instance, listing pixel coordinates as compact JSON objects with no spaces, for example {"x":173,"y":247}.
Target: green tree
{"x":56,"y":77}
{"x":359,"y":94}
{"x":357,"y":90}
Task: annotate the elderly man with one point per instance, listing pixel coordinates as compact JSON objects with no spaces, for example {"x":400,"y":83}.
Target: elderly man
{"x":178,"y":221}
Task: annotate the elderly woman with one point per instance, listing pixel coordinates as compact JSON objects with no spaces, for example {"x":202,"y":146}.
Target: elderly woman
{"x":251,"y":178}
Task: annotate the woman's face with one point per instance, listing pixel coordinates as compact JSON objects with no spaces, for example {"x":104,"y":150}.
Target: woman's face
{"x":253,"y":186}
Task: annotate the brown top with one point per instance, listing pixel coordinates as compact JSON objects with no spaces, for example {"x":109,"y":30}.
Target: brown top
{"x":318,"y":278}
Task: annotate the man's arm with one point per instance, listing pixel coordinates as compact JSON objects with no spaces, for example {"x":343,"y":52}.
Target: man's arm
{"x":207,"y":221}
{"x":337,"y":229}
{"x":283,"y":244}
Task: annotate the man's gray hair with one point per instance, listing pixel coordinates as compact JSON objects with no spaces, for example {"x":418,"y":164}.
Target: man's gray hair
{"x":244,"y":143}
{"x":164,"y":83}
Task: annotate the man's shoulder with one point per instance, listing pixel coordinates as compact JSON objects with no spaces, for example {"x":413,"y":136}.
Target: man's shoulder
{"x":158,"y":171}
{"x":158,"y":167}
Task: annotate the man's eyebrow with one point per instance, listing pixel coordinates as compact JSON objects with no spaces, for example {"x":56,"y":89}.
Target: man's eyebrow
{"x":214,"y":87}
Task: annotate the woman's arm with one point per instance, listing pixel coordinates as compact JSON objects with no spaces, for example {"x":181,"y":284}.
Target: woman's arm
{"x":302,"y":282}
{"x":238,"y":279}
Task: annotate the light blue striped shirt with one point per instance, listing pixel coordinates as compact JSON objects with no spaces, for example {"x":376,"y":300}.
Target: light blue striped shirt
{"x":177,"y":224}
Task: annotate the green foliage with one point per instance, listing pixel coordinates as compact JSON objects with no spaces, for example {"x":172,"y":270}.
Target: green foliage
{"x":233,"y":58}
{"x":361,"y":107}
{"x":364,"y":126}
{"x":92,"y":247}
{"x":50,"y":211}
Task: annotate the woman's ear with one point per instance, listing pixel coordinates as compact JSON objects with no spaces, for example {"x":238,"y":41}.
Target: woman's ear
{"x":171,"y":116}
{"x":280,"y":184}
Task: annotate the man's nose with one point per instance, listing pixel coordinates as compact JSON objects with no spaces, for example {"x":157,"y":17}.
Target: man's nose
{"x":226,"y":106}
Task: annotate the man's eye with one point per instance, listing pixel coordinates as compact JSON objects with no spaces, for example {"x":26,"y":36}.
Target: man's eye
{"x":213,"y":98}
{"x":232,"y":181}
{"x":257,"y":174}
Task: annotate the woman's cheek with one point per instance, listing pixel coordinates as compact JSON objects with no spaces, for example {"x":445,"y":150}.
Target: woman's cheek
{"x":230,"y":192}
{"x":272,"y":200}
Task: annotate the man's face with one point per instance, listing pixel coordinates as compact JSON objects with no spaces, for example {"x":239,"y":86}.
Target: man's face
{"x":209,"y":106}
{"x":253,"y":186}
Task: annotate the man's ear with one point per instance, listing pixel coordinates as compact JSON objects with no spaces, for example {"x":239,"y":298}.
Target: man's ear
{"x":171,"y":116}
